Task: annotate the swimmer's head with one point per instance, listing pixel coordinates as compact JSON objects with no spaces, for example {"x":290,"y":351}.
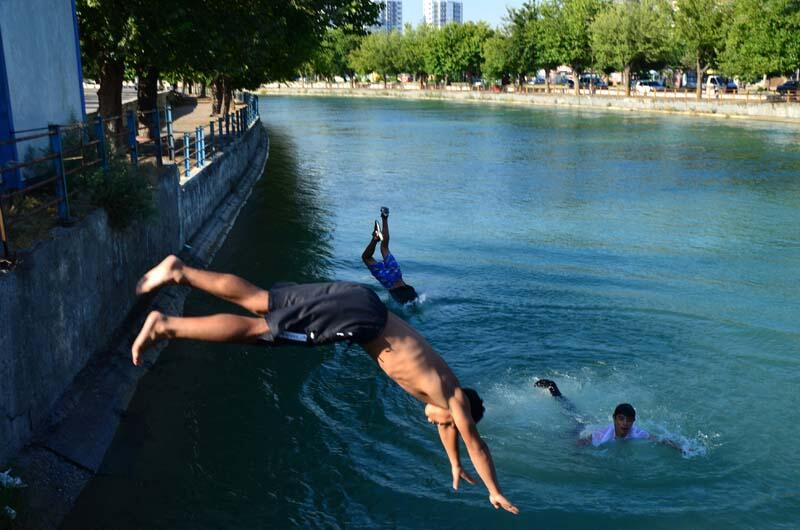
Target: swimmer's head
{"x":624,"y":416}
{"x":403,"y":294}
{"x":440,"y":416}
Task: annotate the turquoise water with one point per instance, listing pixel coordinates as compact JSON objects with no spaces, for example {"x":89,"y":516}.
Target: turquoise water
{"x":639,"y":258}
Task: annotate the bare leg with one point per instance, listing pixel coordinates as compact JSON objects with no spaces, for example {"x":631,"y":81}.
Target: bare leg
{"x":229,"y":287}
{"x":366,"y":256}
{"x":214,"y":328}
{"x":385,"y":231}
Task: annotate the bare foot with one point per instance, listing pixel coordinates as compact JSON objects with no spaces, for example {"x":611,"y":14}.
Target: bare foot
{"x":151,"y":332}
{"x":168,"y":271}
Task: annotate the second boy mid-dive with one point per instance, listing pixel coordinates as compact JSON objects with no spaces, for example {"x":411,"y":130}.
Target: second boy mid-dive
{"x":387,"y":271}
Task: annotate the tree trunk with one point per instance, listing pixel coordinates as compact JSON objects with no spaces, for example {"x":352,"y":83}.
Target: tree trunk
{"x":698,"y":91}
{"x":147,"y":95}
{"x":203,"y":88}
{"x":576,"y":79}
{"x":228,"y":96}
{"x":626,"y":79}
{"x":547,"y":72}
{"x":217,"y":95}
{"x":110,"y":94}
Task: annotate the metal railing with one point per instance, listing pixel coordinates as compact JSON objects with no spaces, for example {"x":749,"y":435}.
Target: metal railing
{"x":59,"y":152}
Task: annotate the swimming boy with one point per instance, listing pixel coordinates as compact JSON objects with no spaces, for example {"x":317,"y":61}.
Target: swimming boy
{"x":387,"y":271}
{"x":315,"y":314}
{"x":622,"y":427}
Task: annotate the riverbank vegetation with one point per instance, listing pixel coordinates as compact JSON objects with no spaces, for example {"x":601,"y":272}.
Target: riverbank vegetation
{"x":746,"y":39}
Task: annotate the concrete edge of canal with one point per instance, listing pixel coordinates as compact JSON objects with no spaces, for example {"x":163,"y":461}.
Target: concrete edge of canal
{"x":69,"y":444}
{"x":729,"y":109}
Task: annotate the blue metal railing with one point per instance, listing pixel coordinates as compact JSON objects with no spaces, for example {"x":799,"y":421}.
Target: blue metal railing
{"x":64,"y":150}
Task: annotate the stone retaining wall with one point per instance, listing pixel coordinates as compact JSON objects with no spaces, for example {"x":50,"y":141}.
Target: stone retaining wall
{"x":71,"y":293}
{"x":778,"y":111}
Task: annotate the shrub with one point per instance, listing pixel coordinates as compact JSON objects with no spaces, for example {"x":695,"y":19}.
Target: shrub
{"x":124,"y":192}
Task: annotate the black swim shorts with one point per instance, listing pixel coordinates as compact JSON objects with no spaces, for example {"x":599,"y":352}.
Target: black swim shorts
{"x":319,"y":313}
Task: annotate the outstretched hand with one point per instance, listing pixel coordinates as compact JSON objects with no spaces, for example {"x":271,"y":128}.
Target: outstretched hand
{"x":499,"y":501}
{"x":459,"y":473}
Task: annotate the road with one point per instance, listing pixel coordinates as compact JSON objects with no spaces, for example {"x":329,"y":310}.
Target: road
{"x":90,"y":93}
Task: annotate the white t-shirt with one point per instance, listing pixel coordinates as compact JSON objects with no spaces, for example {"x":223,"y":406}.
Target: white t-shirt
{"x":602,"y":436}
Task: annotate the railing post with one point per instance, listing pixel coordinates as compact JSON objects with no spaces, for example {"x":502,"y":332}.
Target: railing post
{"x":170,"y":135}
{"x":186,"y":154}
{"x":256,"y":106}
{"x":221,"y":130}
{"x":202,"y":145}
{"x":132,"y":143}
{"x":228,"y":126}
{"x":100,"y":132}
{"x":61,"y":179}
{"x":197,"y":146}
{"x":157,"y":135}
{"x":3,"y":235}
{"x":212,"y":142}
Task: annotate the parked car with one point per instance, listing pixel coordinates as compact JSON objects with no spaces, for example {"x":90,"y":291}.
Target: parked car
{"x":789,"y":87}
{"x":647,"y":86}
{"x":592,"y":79}
{"x":720,"y":84}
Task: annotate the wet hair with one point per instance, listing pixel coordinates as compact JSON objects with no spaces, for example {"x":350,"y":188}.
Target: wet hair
{"x":475,"y":404}
{"x":403,"y":294}
{"x":626,"y":409}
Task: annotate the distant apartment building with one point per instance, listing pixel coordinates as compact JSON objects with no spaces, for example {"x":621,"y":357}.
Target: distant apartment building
{"x":439,"y":13}
{"x":391,"y":16}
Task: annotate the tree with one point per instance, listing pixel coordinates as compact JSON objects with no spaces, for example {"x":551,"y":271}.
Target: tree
{"x":379,"y":52}
{"x":523,"y":46}
{"x":496,"y":53}
{"x":700,"y":27}
{"x":550,"y":36}
{"x":576,"y":50}
{"x":106,"y":31}
{"x":413,"y":48}
{"x":635,"y":34}
{"x":763,"y":39}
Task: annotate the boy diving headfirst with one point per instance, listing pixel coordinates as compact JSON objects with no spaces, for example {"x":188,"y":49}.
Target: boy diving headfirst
{"x":315,"y":314}
{"x":387,"y":271}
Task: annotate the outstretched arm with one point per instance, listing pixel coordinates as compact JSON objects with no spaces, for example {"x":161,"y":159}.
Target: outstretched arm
{"x":449,"y":437}
{"x":478,"y":450}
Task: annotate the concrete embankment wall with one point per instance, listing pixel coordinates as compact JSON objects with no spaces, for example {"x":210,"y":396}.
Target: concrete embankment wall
{"x":778,"y":111}
{"x":71,"y":293}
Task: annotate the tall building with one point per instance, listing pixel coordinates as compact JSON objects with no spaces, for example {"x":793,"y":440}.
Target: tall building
{"x":391,"y":17}
{"x":439,"y":13}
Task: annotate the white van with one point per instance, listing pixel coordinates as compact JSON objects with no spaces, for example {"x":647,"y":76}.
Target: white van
{"x":720,"y":84}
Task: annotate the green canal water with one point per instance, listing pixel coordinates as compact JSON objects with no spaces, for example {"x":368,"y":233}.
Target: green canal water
{"x":631,"y":258}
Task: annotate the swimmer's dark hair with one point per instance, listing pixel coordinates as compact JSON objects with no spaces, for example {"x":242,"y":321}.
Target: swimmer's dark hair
{"x":626,"y":409}
{"x":403,"y":294}
{"x":475,"y":404}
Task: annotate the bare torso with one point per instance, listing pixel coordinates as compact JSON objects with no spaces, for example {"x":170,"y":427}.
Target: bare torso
{"x":412,"y":363}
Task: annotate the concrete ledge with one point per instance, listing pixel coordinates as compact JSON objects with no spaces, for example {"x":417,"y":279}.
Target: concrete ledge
{"x":69,"y":449}
{"x":779,"y":112}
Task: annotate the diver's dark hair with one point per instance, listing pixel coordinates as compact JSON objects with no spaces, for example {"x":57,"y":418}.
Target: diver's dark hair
{"x":475,"y":404}
{"x":626,"y":409}
{"x":403,"y":294}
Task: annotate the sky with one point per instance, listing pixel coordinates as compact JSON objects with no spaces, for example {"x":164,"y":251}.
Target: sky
{"x":491,"y":11}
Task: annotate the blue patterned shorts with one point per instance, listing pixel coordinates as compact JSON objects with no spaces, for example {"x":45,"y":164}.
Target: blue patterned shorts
{"x":387,"y":272}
